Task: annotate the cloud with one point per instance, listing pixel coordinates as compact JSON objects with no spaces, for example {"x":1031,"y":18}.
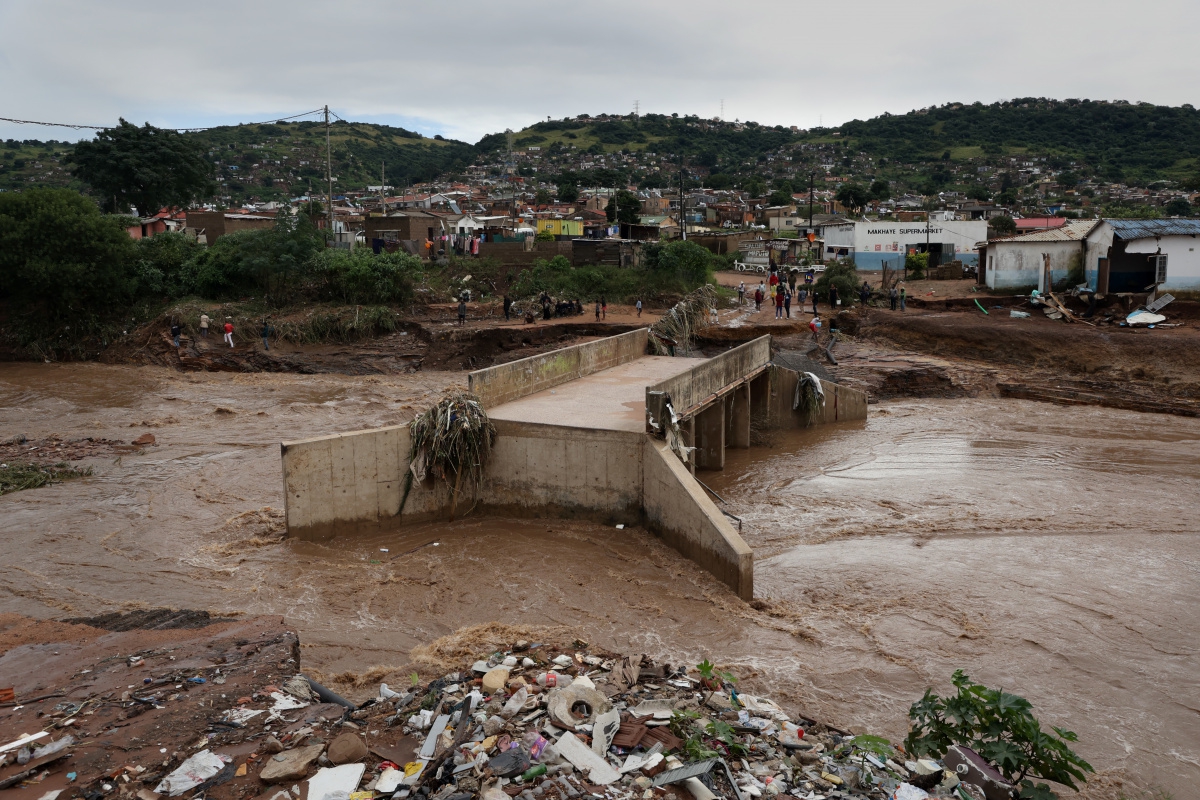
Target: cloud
{"x":468,"y":68}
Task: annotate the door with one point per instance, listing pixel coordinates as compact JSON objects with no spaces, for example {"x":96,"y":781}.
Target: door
{"x":1102,"y":276}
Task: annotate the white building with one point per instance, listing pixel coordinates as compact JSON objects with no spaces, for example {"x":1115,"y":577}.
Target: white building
{"x":1117,"y":255}
{"x":1126,"y":255}
{"x":1018,"y":262}
{"x":869,"y":244}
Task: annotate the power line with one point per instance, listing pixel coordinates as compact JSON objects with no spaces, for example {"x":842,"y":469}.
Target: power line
{"x":107,"y":127}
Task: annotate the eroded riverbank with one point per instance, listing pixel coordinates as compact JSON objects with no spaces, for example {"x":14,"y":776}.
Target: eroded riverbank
{"x":1050,"y":550}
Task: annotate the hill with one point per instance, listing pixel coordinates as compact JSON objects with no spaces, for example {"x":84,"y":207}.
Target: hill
{"x":978,"y":148}
{"x":274,"y":161}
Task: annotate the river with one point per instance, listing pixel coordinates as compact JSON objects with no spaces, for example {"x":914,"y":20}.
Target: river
{"x":1049,"y":550}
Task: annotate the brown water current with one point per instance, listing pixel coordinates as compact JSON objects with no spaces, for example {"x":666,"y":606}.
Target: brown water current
{"x":1050,"y":550}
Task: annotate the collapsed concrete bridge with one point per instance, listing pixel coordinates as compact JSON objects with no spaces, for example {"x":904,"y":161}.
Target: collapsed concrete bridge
{"x":579,"y":435}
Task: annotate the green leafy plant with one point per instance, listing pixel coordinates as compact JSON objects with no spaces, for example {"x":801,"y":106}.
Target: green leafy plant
{"x":1000,"y":727}
{"x":708,"y":672}
{"x":722,"y":731}
{"x":916,"y":264}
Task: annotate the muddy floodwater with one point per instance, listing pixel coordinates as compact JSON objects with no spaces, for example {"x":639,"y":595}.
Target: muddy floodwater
{"x":1050,"y":550}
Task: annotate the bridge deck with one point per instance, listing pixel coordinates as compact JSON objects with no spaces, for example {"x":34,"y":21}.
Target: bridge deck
{"x":612,"y":399}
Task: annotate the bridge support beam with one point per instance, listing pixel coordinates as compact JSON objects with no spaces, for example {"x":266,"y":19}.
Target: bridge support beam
{"x":738,"y":416}
{"x":710,"y":436}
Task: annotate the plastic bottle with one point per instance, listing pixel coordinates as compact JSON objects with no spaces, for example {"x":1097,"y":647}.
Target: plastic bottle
{"x":552,"y":680}
{"x":515,"y":703}
{"x":533,"y":772}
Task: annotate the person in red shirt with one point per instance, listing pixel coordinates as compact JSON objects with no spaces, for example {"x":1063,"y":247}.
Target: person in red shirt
{"x":778,"y":303}
{"x":229,"y":333}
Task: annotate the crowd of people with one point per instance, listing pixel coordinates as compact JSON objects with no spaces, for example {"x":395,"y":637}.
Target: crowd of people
{"x":783,"y":289}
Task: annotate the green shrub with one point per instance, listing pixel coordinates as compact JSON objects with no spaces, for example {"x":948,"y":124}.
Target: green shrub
{"x":844,"y":276}
{"x":61,"y":259}
{"x":361,"y":276}
{"x":1000,"y":727}
{"x":916,"y":264}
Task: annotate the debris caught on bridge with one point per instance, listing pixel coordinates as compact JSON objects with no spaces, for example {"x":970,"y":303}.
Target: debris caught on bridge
{"x":672,"y":335}
{"x":810,"y":397}
{"x":451,"y":442}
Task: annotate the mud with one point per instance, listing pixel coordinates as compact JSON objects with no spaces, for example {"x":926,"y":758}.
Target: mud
{"x":1044,"y":548}
{"x":81,"y":681}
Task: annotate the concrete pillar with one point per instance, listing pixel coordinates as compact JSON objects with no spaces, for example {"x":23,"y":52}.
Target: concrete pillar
{"x":738,"y":431}
{"x":688,"y":429}
{"x":710,"y":436}
{"x":760,"y":397}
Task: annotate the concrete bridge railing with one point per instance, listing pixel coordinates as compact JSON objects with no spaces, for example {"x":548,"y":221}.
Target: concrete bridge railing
{"x":345,"y":483}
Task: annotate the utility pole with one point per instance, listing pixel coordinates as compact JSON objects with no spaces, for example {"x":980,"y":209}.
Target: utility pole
{"x":682,"y":216}
{"x":383,"y":187}
{"x":812,"y":176}
{"x":329,"y":173}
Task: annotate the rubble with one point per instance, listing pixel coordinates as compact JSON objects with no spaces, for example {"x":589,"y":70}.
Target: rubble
{"x":564,"y":723}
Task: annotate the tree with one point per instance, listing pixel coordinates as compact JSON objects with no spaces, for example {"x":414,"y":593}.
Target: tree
{"x":1008,"y":197}
{"x":1003,"y":225}
{"x":689,"y":262}
{"x":880,"y":190}
{"x":1179,"y":207}
{"x":624,"y":207}
{"x":852,"y":196}
{"x":542,"y":197}
{"x":718,"y":180}
{"x":146,"y":168}
{"x":779,"y":197}
{"x":568,"y":192}
{"x":756,"y":187}
{"x":979,"y":193}
{"x":61,"y":259}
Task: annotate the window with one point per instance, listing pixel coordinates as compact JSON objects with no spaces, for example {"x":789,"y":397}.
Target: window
{"x":1159,"y":263}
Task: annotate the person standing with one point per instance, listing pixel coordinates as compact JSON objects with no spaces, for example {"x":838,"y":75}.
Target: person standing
{"x":176,"y":331}
{"x":758,"y":298}
{"x":266,"y":334}
{"x":507,"y":307}
{"x":229,"y":332}
{"x":803,"y":295}
{"x":741,"y":293}
{"x":787,"y":304}
{"x":597,"y":311}
{"x":639,"y":308}
{"x":834,"y":300}
{"x":204,"y":326}
{"x":815,"y":295}
{"x":864,"y":294}
{"x":778,"y":302}
{"x":893,"y":297}
{"x":603,"y":308}
{"x":462,"y":312}
{"x":903,"y":296}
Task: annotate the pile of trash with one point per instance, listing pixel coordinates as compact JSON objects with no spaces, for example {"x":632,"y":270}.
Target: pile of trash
{"x":540,"y":722}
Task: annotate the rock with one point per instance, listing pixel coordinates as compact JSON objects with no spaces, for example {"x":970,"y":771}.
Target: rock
{"x":495,"y":679}
{"x":144,"y":439}
{"x":272,"y":745}
{"x":347,"y":749}
{"x":290,"y":765}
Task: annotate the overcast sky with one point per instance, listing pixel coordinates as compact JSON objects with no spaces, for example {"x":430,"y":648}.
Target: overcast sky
{"x":465,"y":68}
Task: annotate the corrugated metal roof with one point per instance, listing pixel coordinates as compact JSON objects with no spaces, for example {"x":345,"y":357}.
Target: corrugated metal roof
{"x":1072,"y":231}
{"x":1149,"y":228}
